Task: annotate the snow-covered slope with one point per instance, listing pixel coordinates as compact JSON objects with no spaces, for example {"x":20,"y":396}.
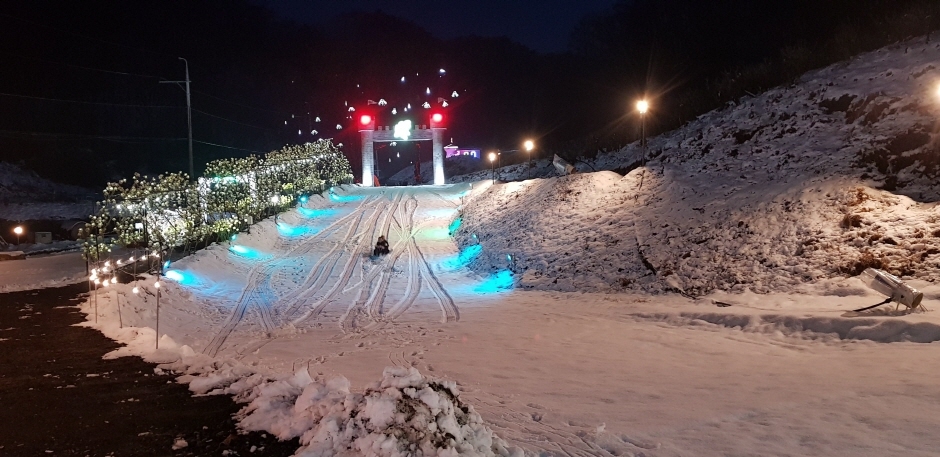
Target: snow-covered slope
{"x":819,"y":179}
{"x":25,"y":195}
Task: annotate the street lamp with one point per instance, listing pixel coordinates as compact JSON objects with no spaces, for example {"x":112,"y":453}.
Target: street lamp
{"x":18,"y":230}
{"x":529,"y":145}
{"x":642,"y":107}
{"x":493,"y":165}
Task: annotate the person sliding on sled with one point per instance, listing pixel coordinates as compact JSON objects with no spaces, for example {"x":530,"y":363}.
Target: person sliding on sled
{"x":381,"y":247}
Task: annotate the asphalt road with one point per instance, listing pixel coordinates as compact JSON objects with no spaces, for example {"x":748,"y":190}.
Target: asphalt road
{"x":59,"y":397}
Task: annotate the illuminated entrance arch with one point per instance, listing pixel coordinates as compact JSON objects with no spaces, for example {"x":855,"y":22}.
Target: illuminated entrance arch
{"x":401,"y":132}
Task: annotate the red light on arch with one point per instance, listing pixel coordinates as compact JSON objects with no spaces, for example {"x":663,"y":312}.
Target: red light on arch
{"x":365,"y":119}
{"x":437,"y":117}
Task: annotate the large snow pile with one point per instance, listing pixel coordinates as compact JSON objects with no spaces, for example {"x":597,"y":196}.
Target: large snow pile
{"x":819,"y":179}
{"x":403,"y":414}
{"x":24,"y":195}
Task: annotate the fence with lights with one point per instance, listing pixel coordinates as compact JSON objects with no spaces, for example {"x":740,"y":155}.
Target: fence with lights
{"x":168,"y":211}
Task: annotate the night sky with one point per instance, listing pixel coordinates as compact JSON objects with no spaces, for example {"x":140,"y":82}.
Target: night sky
{"x":541,"y":25}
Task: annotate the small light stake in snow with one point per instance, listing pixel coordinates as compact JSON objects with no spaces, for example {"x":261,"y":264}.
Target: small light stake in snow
{"x":135,"y":290}
{"x":113,"y":280}
{"x":156,"y":284}
{"x":642,"y":106}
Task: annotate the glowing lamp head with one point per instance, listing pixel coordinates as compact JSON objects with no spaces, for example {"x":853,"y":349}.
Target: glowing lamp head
{"x":492,"y":157}
{"x":18,"y":230}
{"x":437,"y":117}
{"x":135,"y":290}
{"x":365,"y":119}
{"x":642,"y":106}
{"x":529,"y":145}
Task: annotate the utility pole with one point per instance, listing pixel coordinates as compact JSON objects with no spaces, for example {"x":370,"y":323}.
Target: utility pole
{"x":189,"y":118}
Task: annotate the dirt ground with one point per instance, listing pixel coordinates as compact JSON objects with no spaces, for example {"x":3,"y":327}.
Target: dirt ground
{"x":58,"y":397}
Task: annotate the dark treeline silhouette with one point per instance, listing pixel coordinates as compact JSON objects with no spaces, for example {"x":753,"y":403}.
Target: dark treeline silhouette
{"x":259,"y":82}
{"x":692,"y":56}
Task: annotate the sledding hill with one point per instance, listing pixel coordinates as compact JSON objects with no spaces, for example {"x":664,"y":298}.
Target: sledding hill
{"x":820,"y":179}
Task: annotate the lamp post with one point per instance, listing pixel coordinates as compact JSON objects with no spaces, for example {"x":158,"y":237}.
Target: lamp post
{"x":642,"y":107}
{"x":529,"y":145}
{"x":18,"y":230}
{"x":493,"y":165}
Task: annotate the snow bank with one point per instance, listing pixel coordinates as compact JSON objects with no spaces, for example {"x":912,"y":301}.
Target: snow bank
{"x":405,"y":413}
{"x":817,"y":180}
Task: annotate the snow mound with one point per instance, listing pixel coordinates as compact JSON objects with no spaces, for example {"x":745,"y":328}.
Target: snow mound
{"x":404,"y":414}
{"x":821,"y":179}
{"x":24,"y":195}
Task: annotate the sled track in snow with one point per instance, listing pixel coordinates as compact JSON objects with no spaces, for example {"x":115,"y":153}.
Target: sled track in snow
{"x":411,"y":289}
{"x":321,"y":270}
{"x":372,"y":293}
{"x":259,"y":274}
{"x":343,"y":276}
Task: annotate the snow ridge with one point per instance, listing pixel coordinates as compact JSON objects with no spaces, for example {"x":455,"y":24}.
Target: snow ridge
{"x":816,"y":180}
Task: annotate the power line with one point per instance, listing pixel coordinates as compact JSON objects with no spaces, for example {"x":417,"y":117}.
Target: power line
{"x":77,"y":136}
{"x":227,"y":147}
{"x":83,"y":36}
{"x":123,"y":73}
{"x":87,"y":103}
{"x":239,"y":104}
{"x":229,"y":120}
{"x":117,"y":138}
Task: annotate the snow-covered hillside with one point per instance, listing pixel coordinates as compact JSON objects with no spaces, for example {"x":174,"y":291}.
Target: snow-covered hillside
{"x":24,"y":195}
{"x":816,"y":180}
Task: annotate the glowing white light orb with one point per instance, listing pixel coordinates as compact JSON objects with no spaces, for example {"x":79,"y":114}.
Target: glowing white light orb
{"x":454,"y":94}
{"x":642,"y":106}
{"x":426,"y":105}
{"x":351,"y":109}
{"x":114,"y":280}
{"x":135,"y":290}
{"x":156,"y":284}
{"x":492,"y":157}
{"x":441,"y":71}
{"x":444,"y":104}
{"x":529,"y":145}
{"x":394,"y":111}
{"x":317,"y":119}
{"x":339,"y":127}
{"x":382,"y":102}
{"x":427,"y":91}
{"x":403,"y":129}
{"x":402,"y":79}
